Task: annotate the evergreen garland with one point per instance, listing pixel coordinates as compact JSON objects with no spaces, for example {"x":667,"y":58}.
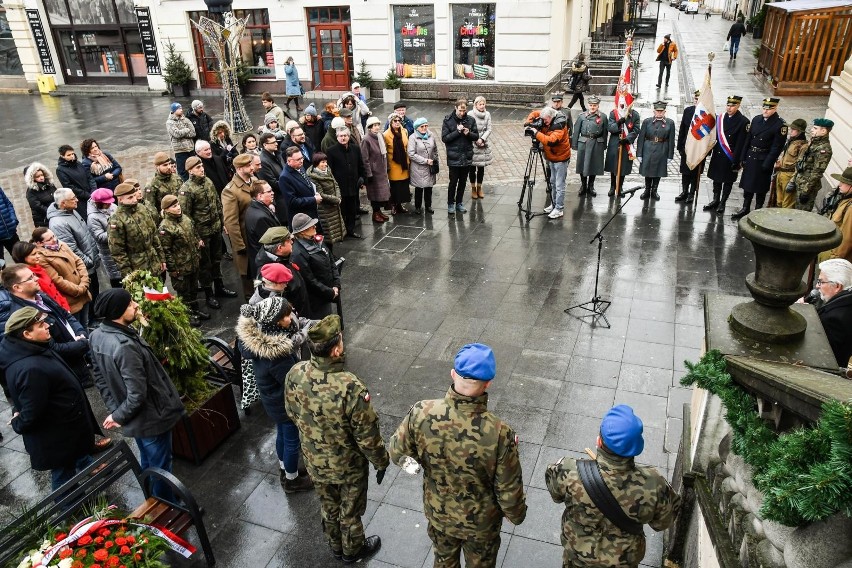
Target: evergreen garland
{"x":805,"y":475}
{"x":175,"y":342}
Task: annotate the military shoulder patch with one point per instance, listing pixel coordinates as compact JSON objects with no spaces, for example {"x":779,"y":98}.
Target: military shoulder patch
{"x":367,"y":397}
{"x":113,"y":226}
{"x":182,"y":192}
{"x":162,"y":232}
{"x":784,"y":131}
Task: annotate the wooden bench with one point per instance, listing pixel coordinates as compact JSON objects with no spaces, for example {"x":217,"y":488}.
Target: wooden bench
{"x":225,"y":360}
{"x":84,"y":488}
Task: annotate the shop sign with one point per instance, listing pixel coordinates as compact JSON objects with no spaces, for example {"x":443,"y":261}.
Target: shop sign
{"x":41,"y":42}
{"x":414,"y":36}
{"x":262,"y":72}
{"x":149,"y":44}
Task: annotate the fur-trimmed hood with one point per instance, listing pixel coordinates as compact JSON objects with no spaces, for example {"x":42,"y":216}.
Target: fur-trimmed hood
{"x":216,"y":126}
{"x":29,"y":174}
{"x":260,"y":344}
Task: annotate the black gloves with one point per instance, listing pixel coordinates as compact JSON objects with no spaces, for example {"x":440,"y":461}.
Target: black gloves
{"x":803,"y":198}
{"x":624,"y":142}
{"x":621,"y":120}
{"x":380,"y":475}
{"x":791,"y":187}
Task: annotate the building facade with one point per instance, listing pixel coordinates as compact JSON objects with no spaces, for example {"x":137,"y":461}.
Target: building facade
{"x":122,"y":42}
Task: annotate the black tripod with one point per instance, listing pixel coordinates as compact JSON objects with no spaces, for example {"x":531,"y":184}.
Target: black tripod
{"x":529,"y":180}
{"x":596,"y":307}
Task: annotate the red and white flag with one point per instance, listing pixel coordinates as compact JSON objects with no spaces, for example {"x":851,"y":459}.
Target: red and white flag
{"x":623,"y":96}
{"x":702,"y":132}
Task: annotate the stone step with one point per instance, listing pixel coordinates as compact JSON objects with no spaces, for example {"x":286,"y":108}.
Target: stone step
{"x":105,"y":91}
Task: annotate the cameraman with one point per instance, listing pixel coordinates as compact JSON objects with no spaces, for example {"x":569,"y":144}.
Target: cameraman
{"x":556,"y":143}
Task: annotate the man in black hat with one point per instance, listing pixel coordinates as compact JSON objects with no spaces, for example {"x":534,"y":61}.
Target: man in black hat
{"x":317,"y":266}
{"x":689,"y":177}
{"x":764,"y":142}
{"x":277,"y":246}
{"x":731,"y":132}
{"x":400,"y":109}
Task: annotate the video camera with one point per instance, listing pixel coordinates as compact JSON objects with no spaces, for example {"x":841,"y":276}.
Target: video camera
{"x":528,"y":126}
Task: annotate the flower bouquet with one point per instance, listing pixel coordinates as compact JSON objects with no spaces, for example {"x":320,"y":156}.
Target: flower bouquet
{"x":105,"y":540}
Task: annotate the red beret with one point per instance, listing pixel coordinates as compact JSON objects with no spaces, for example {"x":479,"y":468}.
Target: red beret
{"x":277,"y":273}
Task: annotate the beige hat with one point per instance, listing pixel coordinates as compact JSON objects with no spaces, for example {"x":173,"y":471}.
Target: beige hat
{"x":124,"y":188}
{"x":242,"y":160}
{"x":161,"y":158}
{"x":191,"y":162}
{"x":168,"y":201}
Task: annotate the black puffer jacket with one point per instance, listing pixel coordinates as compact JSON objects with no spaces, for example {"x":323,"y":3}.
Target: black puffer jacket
{"x":316,"y":265}
{"x":77,"y":178}
{"x":836,"y":318}
{"x":39,"y":195}
{"x":459,"y":146}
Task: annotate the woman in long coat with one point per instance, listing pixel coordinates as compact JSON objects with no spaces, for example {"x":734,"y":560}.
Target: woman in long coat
{"x":374,"y":154}
{"x":66,"y":270}
{"x":396,"y":143}
{"x":481,"y":149}
{"x":40,"y":188}
{"x":294,"y":86}
{"x":423,"y":152}
{"x":329,"y":209}
{"x":656,"y":147}
{"x":633,"y":123}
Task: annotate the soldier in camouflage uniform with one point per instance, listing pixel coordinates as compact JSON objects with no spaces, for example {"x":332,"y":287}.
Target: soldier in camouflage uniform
{"x":180,"y":245}
{"x":589,"y":538}
{"x":471,"y":470}
{"x":200,"y":202}
{"x":132,"y":236}
{"x":152,"y":211}
{"x":165,"y":181}
{"x":340,"y":438}
{"x":811,"y":165}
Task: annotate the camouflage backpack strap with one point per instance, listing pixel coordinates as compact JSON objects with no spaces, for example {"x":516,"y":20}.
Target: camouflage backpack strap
{"x":602,"y":497}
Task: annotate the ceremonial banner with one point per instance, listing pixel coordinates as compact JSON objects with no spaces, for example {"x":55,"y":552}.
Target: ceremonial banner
{"x":702,"y":131}
{"x":623,"y":96}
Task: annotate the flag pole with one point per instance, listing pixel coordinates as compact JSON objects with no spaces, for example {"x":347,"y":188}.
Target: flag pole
{"x":710,"y":57}
{"x":628,"y":40}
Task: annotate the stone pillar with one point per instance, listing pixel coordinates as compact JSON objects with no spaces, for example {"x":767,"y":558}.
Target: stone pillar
{"x":840,"y":111}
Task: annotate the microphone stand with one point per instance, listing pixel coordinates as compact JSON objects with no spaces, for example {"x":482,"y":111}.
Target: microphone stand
{"x":596,"y":307}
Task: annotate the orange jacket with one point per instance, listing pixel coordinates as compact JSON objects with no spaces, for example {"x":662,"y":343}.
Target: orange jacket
{"x":555,"y":139}
{"x":672,"y":50}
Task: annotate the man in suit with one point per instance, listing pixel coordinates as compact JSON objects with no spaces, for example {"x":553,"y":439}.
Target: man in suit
{"x":766,"y":136}
{"x":298,"y":190}
{"x":260,"y":217}
{"x":731,"y":131}
{"x":688,"y":177}
{"x":271,"y":165}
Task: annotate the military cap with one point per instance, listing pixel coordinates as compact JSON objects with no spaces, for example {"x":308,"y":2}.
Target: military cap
{"x":771,"y":102}
{"x":124,"y":188}
{"x":696,"y":94}
{"x":399,"y":105}
{"x":799,"y":124}
{"x":621,"y":431}
{"x":302,"y":222}
{"x":242,"y":161}
{"x":275,"y":235}
{"x":134,"y":182}
{"x":660,"y":105}
{"x":161,"y":158}
{"x":275,"y":272}
{"x":191,"y":162}
{"x":344,"y":112}
{"x":475,"y":361}
{"x":168,"y":201}
{"x":556,"y":96}
{"x":735,"y":99}
{"x":325,"y":330}
{"x":175,"y":106}
{"x":594,"y":99}
{"x":24,"y":318}
{"x":845,"y":177}
{"x":824,"y":122}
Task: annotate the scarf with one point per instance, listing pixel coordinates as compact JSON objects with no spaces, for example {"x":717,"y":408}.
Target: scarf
{"x":382,"y":148}
{"x":100,"y":164}
{"x":422,"y":135}
{"x":400,"y":156}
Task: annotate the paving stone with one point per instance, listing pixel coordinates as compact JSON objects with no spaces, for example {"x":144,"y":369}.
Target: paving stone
{"x":527,"y":552}
{"x":545,"y":525}
{"x":586,"y":400}
{"x":404,"y":539}
{"x":648,"y":380}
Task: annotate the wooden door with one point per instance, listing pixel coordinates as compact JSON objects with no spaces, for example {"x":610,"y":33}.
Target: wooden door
{"x":331,"y":45}
{"x":208,"y":64}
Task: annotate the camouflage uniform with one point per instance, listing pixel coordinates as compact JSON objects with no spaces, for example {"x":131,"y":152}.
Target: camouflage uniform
{"x":133,"y":241}
{"x":159,"y":187}
{"x":471,"y":475}
{"x":588,"y":537}
{"x":180,"y":245}
{"x":785,"y":168}
{"x":339,"y":431}
{"x":200,"y":202}
{"x":809,"y":169}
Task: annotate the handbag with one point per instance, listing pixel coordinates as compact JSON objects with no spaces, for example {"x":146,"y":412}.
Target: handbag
{"x":435,"y":168}
{"x":727,"y":46}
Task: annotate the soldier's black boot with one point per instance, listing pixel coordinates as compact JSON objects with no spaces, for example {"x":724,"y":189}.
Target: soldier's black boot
{"x":221,"y":291}
{"x":590,"y":187}
{"x":583,"y":185}
{"x":684,"y":191}
{"x":645,"y":194}
{"x":195,"y":309}
{"x":715,"y":203}
{"x":655,"y":184}
{"x":210,"y":297}
{"x":371,"y":546}
{"x":611,"y":192}
{"x":744,"y":210}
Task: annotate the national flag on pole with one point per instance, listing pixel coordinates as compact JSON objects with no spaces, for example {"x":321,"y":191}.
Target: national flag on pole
{"x":623,"y":96}
{"x":702,"y":132}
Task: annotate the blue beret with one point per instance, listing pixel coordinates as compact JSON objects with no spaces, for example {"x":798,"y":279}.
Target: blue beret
{"x":175,"y":106}
{"x":420,"y":121}
{"x":476,"y":361}
{"x":621,"y":431}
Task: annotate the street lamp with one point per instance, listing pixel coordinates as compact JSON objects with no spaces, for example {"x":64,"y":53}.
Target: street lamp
{"x":218,"y":6}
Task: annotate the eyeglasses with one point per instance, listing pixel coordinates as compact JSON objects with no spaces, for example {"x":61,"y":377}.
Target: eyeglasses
{"x":32,"y":278}
{"x":271,"y":142}
{"x":824,"y":282}
{"x":396,"y":120}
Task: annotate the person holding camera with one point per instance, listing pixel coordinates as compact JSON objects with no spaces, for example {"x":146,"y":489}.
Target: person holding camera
{"x":458,"y":133}
{"x":550,"y":129}
{"x":589,"y":138}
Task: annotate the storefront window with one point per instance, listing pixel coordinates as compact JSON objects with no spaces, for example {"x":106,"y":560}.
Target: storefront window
{"x":103,"y":53}
{"x":255,"y":47}
{"x":474,"y":27}
{"x":414,"y":36}
{"x":57,"y":12}
{"x":10,"y":64}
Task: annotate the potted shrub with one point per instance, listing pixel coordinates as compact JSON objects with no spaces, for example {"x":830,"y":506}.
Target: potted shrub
{"x":390,"y":93}
{"x":756,"y":23}
{"x":364,"y":77}
{"x":177,"y":71}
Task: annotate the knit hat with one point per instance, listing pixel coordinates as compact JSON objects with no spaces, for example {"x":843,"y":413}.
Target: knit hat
{"x":24,"y":318}
{"x":393,"y":116}
{"x":175,"y":106}
{"x":103,"y":195}
{"x":161,"y":158}
{"x":475,"y":361}
{"x":196,"y":103}
{"x":374,"y":120}
{"x":355,"y":85}
{"x":419,"y":122}
{"x":338,"y":122}
{"x":291,"y":124}
{"x":124,"y":188}
{"x":302,"y":222}
{"x":191,"y":162}
{"x":621,"y":431}
{"x":311,"y":110}
{"x":242,"y":160}
{"x":268,"y":118}
{"x":274,"y":236}
{"x":275,"y":272}
{"x":112,"y":303}
{"x":265,"y":311}
{"x":168,"y":201}
{"x":799,"y":124}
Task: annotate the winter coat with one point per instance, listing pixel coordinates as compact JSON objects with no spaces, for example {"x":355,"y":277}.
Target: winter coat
{"x":98,"y":224}
{"x":588,"y":140}
{"x":395,"y":171}
{"x":296,"y":292}
{"x":272,"y":355}
{"x":633,"y":123}
{"x":555,"y":139}
{"x":200,"y":202}
{"x":180,"y":245}
{"x":69,"y":274}
{"x":459,"y":146}
{"x":682,"y":135}
{"x":671,"y":52}
{"x":347,"y":166}
{"x":270,"y":170}
{"x":217,"y":171}
{"x":314,"y":131}
{"x":316,"y":265}
{"x":181,"y":133}
{"x":47,"y":286}
{"x":101,"y":180}
{"x":294,"y":86}
{"x":836,"y":318}
{"x":764,"y":141}
{"x":76,"y":177}
{"x":420,"y":150}
{"x":225,"y":149}
{"x":8,"y":218}
{"x":299,"y":194}
{"x":259,"y":218}
{"x":202,"y":123}
{"x":53,"y":419}
{"x":731,"y":133}
{"x":842,"y":217}
{"x":235,"y":202}
{"x":39,"y":195}
{"x":656,"y":154}
{"x":375,"y":168}
{"x":72,"y":230}
{"x":133,"y":384}
{"x":482,"y":154}
{"x":580,"y":77}
{"x":329,"y":210}
{"x":359,"y":113}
